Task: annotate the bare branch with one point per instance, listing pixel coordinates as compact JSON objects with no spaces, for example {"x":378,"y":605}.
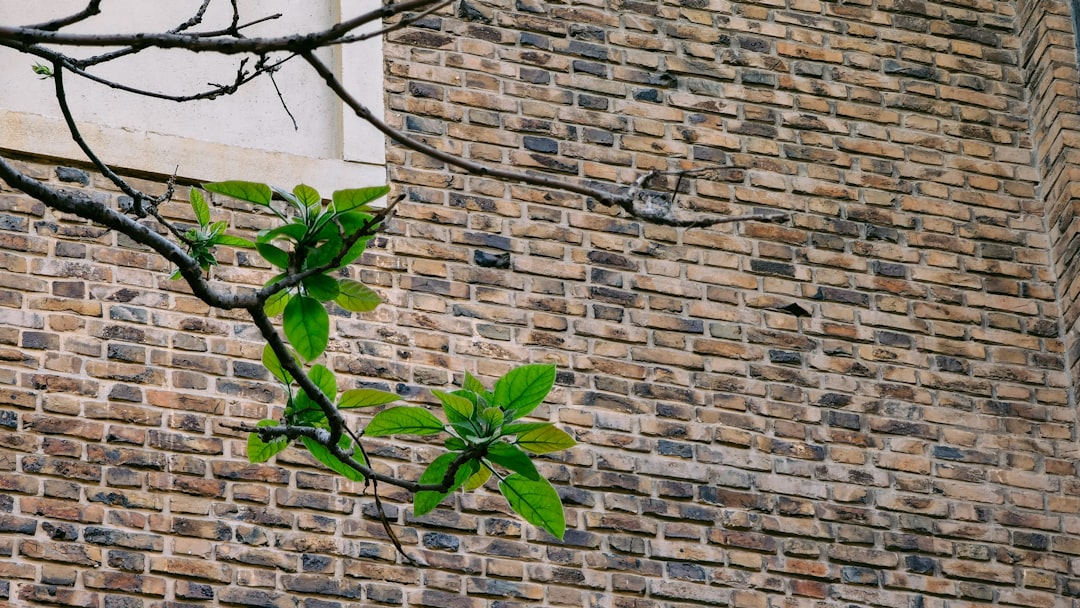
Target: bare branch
{"x":61,"y":97}
{"x":242,"y":76}
{"x":303,"y":45}
{"x":624,"y":201}
{"x":196,"y":19}
{"x":281,"y":98}
{"x":106,"y":57}
{"x":405,"y":22}
{"x":92,"y":8}
{"x":196,"y":43}
{"x":471,"y":167}
{"x":82,"y":205}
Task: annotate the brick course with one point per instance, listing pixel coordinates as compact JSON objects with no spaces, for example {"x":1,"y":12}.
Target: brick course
{"x":905,"y":438}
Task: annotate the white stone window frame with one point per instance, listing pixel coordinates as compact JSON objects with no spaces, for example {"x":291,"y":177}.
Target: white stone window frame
{"x":352,"y":155}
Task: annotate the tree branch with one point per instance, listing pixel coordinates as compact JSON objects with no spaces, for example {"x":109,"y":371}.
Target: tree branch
{"x":304,"y":46}
{"x":228,"y":46}
{"x":82,"y":205}
{"x":242,"y":77}
{"x":93,"y":8}
{"x":61,"y":97}
{"x":625,"y":201}
{"x":405,"y":22}
{"x":288,"y":362}
{"x":196,"y":19}
{"x":471,"y":167}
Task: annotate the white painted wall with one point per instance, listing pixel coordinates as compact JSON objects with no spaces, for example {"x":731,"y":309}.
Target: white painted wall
{"x":250,"y":126}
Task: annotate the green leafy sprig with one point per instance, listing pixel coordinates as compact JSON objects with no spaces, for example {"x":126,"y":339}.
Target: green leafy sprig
{"x":487,"y":437}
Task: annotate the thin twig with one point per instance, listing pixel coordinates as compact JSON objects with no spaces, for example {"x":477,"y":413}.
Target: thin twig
{"x":242,"y":77}
{"x":233,"y":30}
{"x":111,"y":55}
{"x":242,"y":26}
{"x":405,"y":22}
{"x":118,"y":53}
{"x":322,"y":436}
{"x":281,"y":98}
{"x":195,"y":19}
{"x":142,"y":203}
{"x":92,"y":8}
{"x":381,"y":513}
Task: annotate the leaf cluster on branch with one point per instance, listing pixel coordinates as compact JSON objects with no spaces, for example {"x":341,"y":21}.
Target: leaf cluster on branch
{"x":487,"y":435}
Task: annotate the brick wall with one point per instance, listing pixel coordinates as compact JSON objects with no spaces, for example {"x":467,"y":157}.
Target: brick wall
{"x":1050,"y":55}
{"x":909,"y":443}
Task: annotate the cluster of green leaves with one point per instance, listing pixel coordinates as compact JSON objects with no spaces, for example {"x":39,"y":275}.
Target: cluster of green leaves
{"x":302,"y":411}
{"x":486,"y":438}
{"x":312,"y":236}
{"x":42,"y":70}
{"x":202,"y":239}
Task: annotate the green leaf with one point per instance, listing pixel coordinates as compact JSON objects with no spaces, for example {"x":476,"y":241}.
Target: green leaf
{"x":365,"y":397}
{"x":535,"y":501}
{"x":321,"y":286}
{"x":307,"y":195}
{"x":217,"y":228}
{"x":545,"y":439}
{"x":271,"y":362}
{"x":289,"y":198}
{"x":356,"y":297}
{"x":456,"y":408}
{"x":275,"y":304}
{"x":261,"y":451}
{"x":509,"y":457}
{"x":492,"y":417}
{"x":251,"y":192}
{"x":346,"y":223}
{"x":478,"y":479}
{"x":521,"y":427}
{"x":307,"y":326}
{"x":424,"y":502}
{"x":325,"y":380}
{"x":524,"y":388}
{"x":293,"y":232}
{"x":233,"y":241}
{"x":323,"y":455}
{"x":199,"y":206}
{"x":273,"y":254}
{"x":323,"y":254}
{"x":345,"y":200}
{"x":354,"y":252}
{"x":471,"y":396}
{"x":351,"y":223}
{"x":403,"y":420}
{"x":473,"y":385}
{"x":306,"y":412}
{"x":454,"y":444}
